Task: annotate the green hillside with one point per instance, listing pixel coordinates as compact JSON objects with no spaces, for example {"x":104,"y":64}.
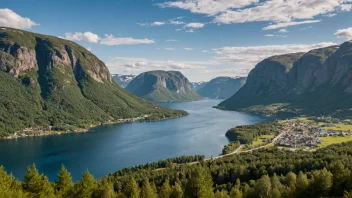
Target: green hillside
{"x":48,"y":81}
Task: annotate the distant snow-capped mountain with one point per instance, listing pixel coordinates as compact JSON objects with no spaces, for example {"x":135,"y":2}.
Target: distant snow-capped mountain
{"x":123,"y":80}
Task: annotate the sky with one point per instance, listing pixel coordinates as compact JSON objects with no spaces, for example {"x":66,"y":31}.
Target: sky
{"x":203,"y":39}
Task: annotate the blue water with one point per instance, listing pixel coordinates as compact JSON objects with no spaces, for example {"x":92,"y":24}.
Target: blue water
{"x":108,"y":148}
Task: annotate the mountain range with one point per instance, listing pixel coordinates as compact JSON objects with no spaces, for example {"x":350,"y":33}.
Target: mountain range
{"x":48,"y":81}
{"x":123,"y":80}
{"x":221,"y":87}
{"x":163,"y":86}
{"x":318,"y":82}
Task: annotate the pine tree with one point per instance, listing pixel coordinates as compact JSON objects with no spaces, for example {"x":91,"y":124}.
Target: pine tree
{"x":291,"y":180}
{"x":322,"y":182}
{"x":177,"y":191}
{"x":105,"y":190}
{"x":262,"y":187}
{"x":165,"y":190}
{"x":236,"y":193}
{"x":64,"y":184}
{"x":37,"y":185}
{"x":200,"y":184}
{"x":9,"y":187}
{"x":302,"y":184}
{"x":131,"y":189}
{"x":147,"y":190}
{"x":221,"y":194}
{"x":86,"y":186}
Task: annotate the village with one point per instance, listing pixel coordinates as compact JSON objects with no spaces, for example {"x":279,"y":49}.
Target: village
{"x":309,"y":134}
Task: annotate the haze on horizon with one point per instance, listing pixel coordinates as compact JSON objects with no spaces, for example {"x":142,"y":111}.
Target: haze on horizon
{"x":201,"y":38}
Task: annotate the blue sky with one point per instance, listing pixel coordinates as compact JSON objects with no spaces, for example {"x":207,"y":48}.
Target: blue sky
{"x":201,"y":38}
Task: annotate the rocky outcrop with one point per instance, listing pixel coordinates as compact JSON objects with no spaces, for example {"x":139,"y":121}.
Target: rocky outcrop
{"x":163,"y":86}
{"x":222,"y":87}
{"x":48,"y":81}
{"x":317,"y":82}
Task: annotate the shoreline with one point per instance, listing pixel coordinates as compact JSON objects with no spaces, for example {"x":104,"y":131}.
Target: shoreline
{"x":39,"y":133}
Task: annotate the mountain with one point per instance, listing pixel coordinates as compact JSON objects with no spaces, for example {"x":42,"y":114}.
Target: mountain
{"x":48,"y":81}
{"x":198,"y":85}
{"x":163,"y":86}
{"x":315,"y":83}
{"x":123,"y":80}
{"x":221,"y":87}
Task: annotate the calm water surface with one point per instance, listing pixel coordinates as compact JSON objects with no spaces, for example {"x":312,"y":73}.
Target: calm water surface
{"x":111,"y":147}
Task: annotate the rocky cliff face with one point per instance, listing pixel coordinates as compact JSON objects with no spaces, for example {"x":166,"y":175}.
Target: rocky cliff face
{"x":163,"y":86}
{"x":222,"y":87}
{"x":47,"y":81}
{"x":317,"y":82}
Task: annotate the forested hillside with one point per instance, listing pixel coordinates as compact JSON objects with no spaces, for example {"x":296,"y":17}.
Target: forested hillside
{"x":263,"y":173}
{"x":48,"y":81}
{"x":314,"y":83}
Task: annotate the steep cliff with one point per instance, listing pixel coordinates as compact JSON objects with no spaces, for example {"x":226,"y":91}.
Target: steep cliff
{"x":318,"y":82}
{"x":163,"y":86}
{"x":221,"y":87}
{"x":48,"y":81}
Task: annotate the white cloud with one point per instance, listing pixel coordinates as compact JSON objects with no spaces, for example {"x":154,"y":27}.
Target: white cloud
{"x":171,"y":40}
{"x":137,"y":65}
{"x":157,"y":23}
{"x":228,"y":71}
{"x":175,"y":22}
{"x":269,"y":35}
{"x":188,"y":49}
{"x":252,"y":55}
{"x":194,"y":25}
{"x":170,"y":49}
{"x":112,"y":40}
{"x":287,"y":24}
{"x":86,"y":36}
{"x":142,"y":24}
{"x":331,"y":15}
{"x":205,"y":51}
{"x":283,"y":13}
{"x":344,"y":33}
{"x":346,"y":7}
{"x":210,"y":7}
{"x":283,"y":31}
{"x":89,"y":49}
{"x":9,"y":18}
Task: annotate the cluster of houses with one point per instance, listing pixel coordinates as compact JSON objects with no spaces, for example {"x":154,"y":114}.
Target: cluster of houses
{"x":306,"y":134}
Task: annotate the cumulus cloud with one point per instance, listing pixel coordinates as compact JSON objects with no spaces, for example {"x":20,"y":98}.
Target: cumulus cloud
{"x":210,"y":7}
{"x":188,"y":49}
{"x":9,"y":18}
{"x":194,"y":25}
{"x":283,"y":13}
{"x":269,"y":35}
{"x":137,"y":65}
{"x":252,"y":55}
{"x":344,"y":33}
{"x":112,"y":40}
{"x":86,"y":36}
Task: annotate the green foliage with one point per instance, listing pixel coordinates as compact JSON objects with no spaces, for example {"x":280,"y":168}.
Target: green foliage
{"x":199,"y":184}
{"x":231,"y":147}
{"x":165,"y":190}
{"x":86,"y":186}
{"x":147,"y":190}
{"x":64,"y":185}
{"x":37,"y":185}
{"x":132,"y":189}
{"x":68,"y":88}
{"x":247,"y":134}
{"x":163,"y":86}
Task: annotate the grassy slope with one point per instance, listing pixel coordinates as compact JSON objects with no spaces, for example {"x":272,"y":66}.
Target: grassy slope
{"x":62,"y":95}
